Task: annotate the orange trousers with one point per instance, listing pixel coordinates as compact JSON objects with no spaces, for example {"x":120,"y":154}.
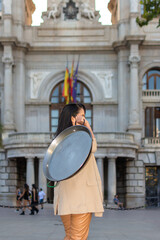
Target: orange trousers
{"x":76,"y":226}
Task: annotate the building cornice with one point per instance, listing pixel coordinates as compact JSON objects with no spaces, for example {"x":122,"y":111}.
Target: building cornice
{"x":128,"y":40}
{"x":13,"y":41}
{"x":66,"y":48}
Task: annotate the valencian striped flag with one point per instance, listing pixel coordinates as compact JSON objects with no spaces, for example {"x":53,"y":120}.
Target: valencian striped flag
{"x":65,"y":92}
{"x":71,"y":82}
{"x":74,"y":91}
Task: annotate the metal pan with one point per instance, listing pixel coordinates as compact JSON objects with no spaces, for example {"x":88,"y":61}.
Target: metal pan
{"x":67,"y":153}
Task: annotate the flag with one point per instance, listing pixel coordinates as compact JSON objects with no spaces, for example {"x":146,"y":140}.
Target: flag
{"x":65,"y":92}
{"x":71,"y":82}
{"x":74,"y":92}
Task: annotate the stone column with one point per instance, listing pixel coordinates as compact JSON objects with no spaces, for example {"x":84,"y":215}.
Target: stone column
{"x":41,"y":177}
{"x":7,"y":17}
{"x":134,"y":12}
{"x":122,"y":83}
{"x":30,"y":176}
{"x":123,"y":16}
{"x":20,"y":92}
{"x":8,"y":88}
{"x":134,"y":60}
{"x":111,"y":180}
{"x":101,"y":171}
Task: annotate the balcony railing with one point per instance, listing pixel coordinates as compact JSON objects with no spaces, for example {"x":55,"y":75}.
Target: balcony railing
{"x":115,"y":137}
{"x":46,"y":137}
{"x":29,"y":138}
{"x":151,"y":141}
{"x":151,"y":93}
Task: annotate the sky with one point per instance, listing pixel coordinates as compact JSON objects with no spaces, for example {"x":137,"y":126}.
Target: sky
{"x":101,"y":5}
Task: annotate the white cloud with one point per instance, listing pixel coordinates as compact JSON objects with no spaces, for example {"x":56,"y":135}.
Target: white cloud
{"x":101,"y":5}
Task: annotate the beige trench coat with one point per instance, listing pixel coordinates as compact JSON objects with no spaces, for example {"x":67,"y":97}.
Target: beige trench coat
{"x":81,"y":193}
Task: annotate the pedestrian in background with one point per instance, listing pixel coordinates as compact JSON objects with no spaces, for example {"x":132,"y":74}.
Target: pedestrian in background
{"x":41,"y":196}
{"x":26,"y":198}
{"x":34,"y":202}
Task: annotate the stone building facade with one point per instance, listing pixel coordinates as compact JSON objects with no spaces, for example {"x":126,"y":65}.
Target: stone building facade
{"x":118,"y":81}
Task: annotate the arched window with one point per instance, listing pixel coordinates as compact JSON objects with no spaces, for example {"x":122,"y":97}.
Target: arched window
{"x":151,"y":80}
{"x":58,"y":102}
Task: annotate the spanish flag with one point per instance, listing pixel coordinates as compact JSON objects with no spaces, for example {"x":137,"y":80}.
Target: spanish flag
{"x":65,"y":92}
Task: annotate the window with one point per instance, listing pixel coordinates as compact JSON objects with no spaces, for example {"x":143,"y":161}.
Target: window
{"x":58,"y":102}
{"x":151,"y":80}
{"x":152,"y":122}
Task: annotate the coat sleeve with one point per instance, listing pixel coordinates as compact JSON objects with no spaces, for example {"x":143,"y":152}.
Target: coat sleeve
{"x":94,"y":145}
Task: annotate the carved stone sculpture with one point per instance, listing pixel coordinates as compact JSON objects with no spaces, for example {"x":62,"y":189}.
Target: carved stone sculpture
{"x":55,"y":12}
{"x":86,"y":11}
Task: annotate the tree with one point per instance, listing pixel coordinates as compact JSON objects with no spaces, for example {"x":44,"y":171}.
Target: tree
{"x":151,"y":9}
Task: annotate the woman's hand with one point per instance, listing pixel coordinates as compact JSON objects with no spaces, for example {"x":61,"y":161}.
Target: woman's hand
{"x":80,"y":120}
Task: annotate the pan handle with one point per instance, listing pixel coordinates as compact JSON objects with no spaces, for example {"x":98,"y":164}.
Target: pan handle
{"x":52,"y":186}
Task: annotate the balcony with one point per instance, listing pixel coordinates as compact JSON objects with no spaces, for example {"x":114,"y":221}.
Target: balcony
{"x":27,"y":144}
{"x":31,"y":139}
{"x":116,"y":144}
{"x":36,"y":144}
{"x":151,"y":95}
{"x":114,"y":138}
{"x":152,"y":142}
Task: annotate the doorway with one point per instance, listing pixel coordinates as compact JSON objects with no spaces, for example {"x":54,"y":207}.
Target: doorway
{"x":152,"y":177}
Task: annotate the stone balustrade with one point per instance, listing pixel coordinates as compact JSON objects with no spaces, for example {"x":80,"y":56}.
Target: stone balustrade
{"x":115,"y":137}
{"x":46,"y":137}
{"x":151,"y":141}
{"x":151,"y":93}
{"x":31,"y":144}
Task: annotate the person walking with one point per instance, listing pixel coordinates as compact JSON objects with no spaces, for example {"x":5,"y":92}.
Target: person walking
{"x":41,"y":196}
{"x":26,"y":198}
{"x":78,"y":197}
{"x":34,"y":202}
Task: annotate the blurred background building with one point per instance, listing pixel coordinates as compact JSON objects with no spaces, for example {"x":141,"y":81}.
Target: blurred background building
{"x":118,"y":81}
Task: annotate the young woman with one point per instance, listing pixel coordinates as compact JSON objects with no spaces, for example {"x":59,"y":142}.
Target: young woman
{"x":76,"y":198}
{"x":26,"y":198}
{"x":34,"y":202}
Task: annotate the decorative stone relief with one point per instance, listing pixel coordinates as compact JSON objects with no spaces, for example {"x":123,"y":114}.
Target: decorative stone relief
{"x":36,"y":79}
{"x":8,"y":61}
{"x":70,"y":11}
{"x":7,"y":55}
{"x":105,"y":79}
{"x":55,"y":12}
{"x":134,"y":117}
{"x":64,"y":10}
{"x":86,"y":11}
{"x":134,"y":60}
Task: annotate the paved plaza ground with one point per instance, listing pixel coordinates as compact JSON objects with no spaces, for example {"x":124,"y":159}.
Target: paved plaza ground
{"x":115,"y":225}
